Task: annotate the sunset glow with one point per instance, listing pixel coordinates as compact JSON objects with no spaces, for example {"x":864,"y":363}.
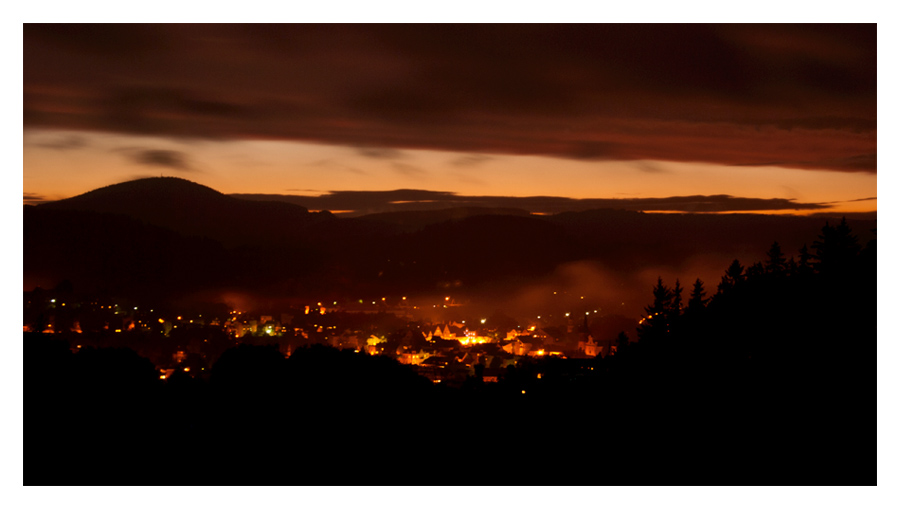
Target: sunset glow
{"x":295,"y":168}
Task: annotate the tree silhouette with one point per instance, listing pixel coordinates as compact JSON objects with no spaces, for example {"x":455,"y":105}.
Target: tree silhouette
{"x":676,"y":304}
{"x":755,"y":270}
{"x":697,"y":301}
{"x":836,"y":249}
{"x":805,"y":263}
{"x":775,"y":262}
{"x":621,"y":341}
{"x":655,"y":324}
{"x":733,"y":276}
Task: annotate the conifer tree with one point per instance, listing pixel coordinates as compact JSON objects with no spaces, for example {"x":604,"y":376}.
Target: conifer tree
{"x":755,"y":270}
{"x":621,"y":341}
{"x":676,"y":304}
{"x":836,"y":249}
{"x":676,"y":298}
{"x":804,"y":266}
{"x":775,"y":262}
{"x":733,"y":276}
{"x":656,"y":322}
{"x":698,"y":294}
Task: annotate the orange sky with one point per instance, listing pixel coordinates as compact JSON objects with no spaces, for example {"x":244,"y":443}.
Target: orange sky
{"x":55,"y":167}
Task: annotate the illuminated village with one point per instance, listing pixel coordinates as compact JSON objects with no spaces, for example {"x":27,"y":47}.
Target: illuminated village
{"x":444,"y":351}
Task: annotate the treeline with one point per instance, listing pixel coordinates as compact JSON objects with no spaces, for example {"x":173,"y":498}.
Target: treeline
{"x":776,"y":368}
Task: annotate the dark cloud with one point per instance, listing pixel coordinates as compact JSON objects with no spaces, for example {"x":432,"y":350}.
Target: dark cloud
{"x":798,"y":95}
{"x":854,"y":163}
{"x":64,"y":143}
{"x":592,"y":150}
{"x":648,"y":167}
{"x":28,"y":198}
{"x":380,"y":153}
{"x":159,"y":158}
{"x":853,"y":200}
{"x":363,"y":202}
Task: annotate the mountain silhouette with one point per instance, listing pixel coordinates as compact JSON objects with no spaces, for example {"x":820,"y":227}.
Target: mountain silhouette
{"x":192,"y":209}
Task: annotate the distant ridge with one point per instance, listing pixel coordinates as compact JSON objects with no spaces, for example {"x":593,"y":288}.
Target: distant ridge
{"x":190,"y":208}
{"x":417,"y":219}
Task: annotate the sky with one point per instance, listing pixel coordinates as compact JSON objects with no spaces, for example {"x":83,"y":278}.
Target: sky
{"x":771,"y":118}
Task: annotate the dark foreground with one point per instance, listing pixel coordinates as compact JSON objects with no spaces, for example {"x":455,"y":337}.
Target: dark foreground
{"x":772,"y":381}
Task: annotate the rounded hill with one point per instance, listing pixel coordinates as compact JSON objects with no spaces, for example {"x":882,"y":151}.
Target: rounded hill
{"x":190,"y":208}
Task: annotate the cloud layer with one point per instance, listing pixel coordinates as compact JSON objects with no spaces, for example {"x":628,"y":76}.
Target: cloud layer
{"x":800,"y":96}
{"x":362,"y":202}
{"x":176,"y":160}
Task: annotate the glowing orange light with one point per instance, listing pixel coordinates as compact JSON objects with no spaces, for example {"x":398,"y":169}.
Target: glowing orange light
{"x":162,"y":377}
{"x":187,"y":368}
